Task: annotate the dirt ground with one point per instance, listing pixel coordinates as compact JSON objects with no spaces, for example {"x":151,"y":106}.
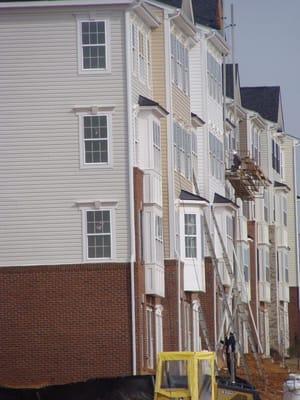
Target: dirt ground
{"x":271,"y":387}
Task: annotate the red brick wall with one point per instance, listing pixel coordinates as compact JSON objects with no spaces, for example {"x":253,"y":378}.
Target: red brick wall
{"x":170,"y":304}
{"x":63,"y":324}
{"x":207,"y":301}
{"x":294,"y":315}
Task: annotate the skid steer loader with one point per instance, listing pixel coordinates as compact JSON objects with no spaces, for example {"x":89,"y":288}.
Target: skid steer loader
{"x":192,"y":376}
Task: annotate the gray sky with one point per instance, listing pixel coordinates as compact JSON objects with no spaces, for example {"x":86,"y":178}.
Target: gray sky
{"x":267,"y":48}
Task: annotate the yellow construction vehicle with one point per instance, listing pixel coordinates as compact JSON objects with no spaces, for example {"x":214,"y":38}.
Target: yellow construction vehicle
{"x":192,"y":376}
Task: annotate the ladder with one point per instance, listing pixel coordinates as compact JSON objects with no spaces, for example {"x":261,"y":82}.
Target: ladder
{"x":241,"y":307}
{"x":214,"y":259}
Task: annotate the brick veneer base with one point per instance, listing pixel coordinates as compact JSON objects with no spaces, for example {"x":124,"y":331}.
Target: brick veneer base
{"x":61,"y":324}
{"x":294,"y":315}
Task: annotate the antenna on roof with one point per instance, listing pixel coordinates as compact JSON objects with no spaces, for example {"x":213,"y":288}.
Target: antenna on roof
{"x":232,"y":24}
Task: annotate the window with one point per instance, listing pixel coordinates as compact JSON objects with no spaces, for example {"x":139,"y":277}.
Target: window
{"x":267,"y":264}
{"x":93,"y":45}
{"x":246,"y":262}
{"x":190,"y":232}
{"x":183,"y":151}
{"x":187,"y":154}
{"x":95,"y":138}
{"x":284,"y":211}
{"x":159,"y":240}
{"x":142,"y":56}
{"x":187,"y":327}
{"x":159,"y":328}
{"x":276,"y":159}
{"x":156,"y":146}
{"x":134,"y":47}
{"x":150,"y":338}
{"x":214,"y":77}
{"x":266,"y":205}
{"x":255,"y":149}
{"x":194,"y":155}
{"x":99,"y":234}
{"x":179,"y":64}
{"x":202,"y":237}
{"x":216,"y":152}
{"x":196,"y":327}
{"x":286,"y":268}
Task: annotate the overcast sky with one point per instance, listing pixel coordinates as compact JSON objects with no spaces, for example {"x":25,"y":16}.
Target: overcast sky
{"x":267,"y":38}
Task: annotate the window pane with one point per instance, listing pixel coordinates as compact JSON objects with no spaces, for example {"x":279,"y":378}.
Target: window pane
{"x":190,"y":224}
{"x":190,"y":247}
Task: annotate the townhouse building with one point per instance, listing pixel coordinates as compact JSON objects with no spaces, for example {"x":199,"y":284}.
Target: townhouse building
{"x":119,"y":129}
{"x":81,"y":156}
{"x":271,"y":210}
{"x":244,"y":173}
{"x":290,"y":144}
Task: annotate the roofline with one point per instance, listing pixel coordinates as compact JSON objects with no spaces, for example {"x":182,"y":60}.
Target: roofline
{"x":218,"y":41}
{"x":60,"y":3}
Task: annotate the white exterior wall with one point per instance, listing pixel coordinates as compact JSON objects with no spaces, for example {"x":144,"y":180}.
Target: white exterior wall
{"x":40,"y":174}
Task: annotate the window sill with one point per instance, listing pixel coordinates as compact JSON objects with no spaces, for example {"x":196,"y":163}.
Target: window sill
{"x":96,"y":166}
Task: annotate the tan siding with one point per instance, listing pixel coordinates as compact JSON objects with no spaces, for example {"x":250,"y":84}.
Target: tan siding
{"x":181,"y":106}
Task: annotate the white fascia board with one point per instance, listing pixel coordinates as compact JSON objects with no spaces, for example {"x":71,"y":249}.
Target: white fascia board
{"x":57,"y":3}
{"x":145,"y":14}
{"x":217,"y":40}
{"x":193,"y":203}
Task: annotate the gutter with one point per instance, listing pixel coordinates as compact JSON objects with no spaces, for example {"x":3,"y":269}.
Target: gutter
{"x":131,"y":190}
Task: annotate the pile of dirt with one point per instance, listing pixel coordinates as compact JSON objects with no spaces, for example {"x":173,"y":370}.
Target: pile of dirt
{"x":270,"y":387}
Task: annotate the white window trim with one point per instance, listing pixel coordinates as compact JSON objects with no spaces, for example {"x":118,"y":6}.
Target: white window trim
{"x":97,"y":71}
{"x":98,"y":207}
{"x":83,"y":164}
{"x":150,"y":339}
{"x":196,"y":326}
{"x":159,"y":339}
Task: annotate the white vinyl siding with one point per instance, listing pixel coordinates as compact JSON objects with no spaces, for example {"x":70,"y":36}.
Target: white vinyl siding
{"x":39,"y":143}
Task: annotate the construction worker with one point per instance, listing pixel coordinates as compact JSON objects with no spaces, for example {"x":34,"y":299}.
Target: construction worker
{"x":230,"y":343}
{"x":236,"y":162}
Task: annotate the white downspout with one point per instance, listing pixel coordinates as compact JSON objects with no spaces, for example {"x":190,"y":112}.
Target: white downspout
{"x":130,"y":187}
{"x":169,"y":106}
